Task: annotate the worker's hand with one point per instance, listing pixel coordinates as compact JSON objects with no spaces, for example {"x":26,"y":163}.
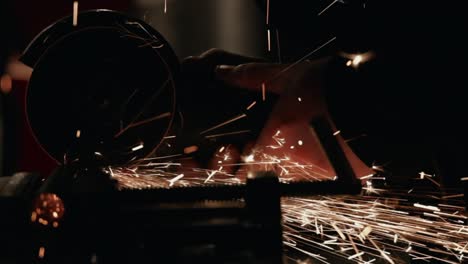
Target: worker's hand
{"x":300,"y":89}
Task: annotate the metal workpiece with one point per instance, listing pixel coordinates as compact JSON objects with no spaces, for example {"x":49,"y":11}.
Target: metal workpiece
{"x":239,"y":191}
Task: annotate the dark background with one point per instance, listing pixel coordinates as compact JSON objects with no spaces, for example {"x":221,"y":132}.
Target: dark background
{"x":409,"y":100}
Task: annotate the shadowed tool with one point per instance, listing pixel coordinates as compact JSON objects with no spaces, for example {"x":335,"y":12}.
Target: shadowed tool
{"x":113,"y":79}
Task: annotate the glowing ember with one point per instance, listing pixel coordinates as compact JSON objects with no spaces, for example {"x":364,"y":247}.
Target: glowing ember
{"x":251,"y":105}
{"x":48,"y":207}
{"x":138,"y":147}
{"x":75,"y":13}
{"x":268,"y":12}
{"x":269,"y":40}
{"x":330,"y":5}
{"x":263,"y":92}
{"x":41,"y":252}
